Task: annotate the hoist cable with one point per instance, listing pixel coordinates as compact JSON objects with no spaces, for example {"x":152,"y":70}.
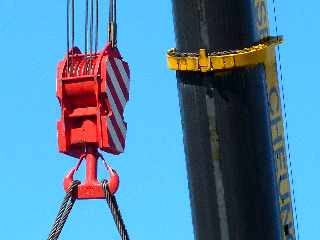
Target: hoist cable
{"x":72,"y":24}
{"x":115,"y":32}
{"x":68,"y":40}
{"x":112,"y":202}
{"x":110,"y":11}
{"x":97,"y":27}
{"x":286,"y":122}
{"x":115,"y":11}
{"x":64,"y":218}
{"x":91,"y":35}
{"x":91,"y":27}
{"x":68,"y":43}
{"x":68,"y":203}
{"x":64,"y":211}
{"x":110,"y":20}
{"x":112,"y":23}
{"x":86,"y":28}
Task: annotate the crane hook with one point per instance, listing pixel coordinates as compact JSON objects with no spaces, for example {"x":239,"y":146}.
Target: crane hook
{"x":91,"y":188}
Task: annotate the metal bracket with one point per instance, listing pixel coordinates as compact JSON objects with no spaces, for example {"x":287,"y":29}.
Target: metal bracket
{"x":204,"y":62}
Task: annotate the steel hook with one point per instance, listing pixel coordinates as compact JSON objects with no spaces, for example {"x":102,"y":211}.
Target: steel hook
{"x":92,"y":188}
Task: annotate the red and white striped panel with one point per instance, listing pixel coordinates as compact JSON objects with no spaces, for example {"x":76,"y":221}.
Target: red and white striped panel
{"x":118,"y":84}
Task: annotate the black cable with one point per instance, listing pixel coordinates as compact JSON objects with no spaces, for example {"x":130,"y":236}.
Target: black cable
{"x":64,"y":211}
{"x":91,"y":36}
{"x":110,"y":27}
{"x":68,"y":43}
{"x":64,"y":218}
{"x":91,"y":27}
{"x":115,"y":11}
{"x":68,"y":203}
{"x":110,"y":11}
{"x":115,"y":22}
{"x":86,"y":28}
{"x":112,"y":202}
{"x":68,"y":40}
{"x":72,"y":24}
{"x":97,"y":27}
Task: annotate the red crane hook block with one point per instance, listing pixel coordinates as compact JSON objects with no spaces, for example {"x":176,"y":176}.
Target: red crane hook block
{"x":93,"y":89}
{"x":91,"y":188}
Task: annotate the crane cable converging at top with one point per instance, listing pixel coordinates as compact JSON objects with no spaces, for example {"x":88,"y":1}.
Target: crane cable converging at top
{"x":91,"y":28}
{"x":91,"y":38}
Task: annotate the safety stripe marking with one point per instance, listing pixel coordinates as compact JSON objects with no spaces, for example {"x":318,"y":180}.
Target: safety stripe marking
{"x":115,"y":84}
{"x":117,"y":130}
{"x":123,"y":73}
{"x":114,"y":136}
{"x":119,"y":78}
{"x":116,"y":113}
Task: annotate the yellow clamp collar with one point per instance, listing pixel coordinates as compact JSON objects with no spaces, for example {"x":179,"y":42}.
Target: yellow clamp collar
{"x":204,"y":62}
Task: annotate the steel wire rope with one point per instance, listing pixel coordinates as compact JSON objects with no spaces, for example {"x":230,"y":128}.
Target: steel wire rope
{"x":91,"y":34}
{"x":110,"y":17}
{"x":68,"y":40}
{"x":64,"y":211}
{"x":110,"y":10}
{"x":91,"y":26}
{"x":86,"y":28}
{"x":64,"y":218}
{"x":115,"y":211}
{"x":286,"y":122}
{"x":113,"y":22}
{"x":72,"y":39}
{"x":86,"y":36}
{"x":72,"y":35}
{"x":97,"y":28}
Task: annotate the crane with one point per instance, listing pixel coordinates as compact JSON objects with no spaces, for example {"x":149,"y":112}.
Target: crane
{"x":92,"y":89}
{"x":230,"y":102}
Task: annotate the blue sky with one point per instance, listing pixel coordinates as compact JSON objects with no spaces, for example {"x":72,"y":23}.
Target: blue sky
{"x":153,"y":195}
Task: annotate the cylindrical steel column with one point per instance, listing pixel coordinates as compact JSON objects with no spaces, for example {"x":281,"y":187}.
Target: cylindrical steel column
{"x":227,"y":137}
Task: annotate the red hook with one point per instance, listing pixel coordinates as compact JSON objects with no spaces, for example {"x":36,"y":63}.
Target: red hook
{"x":92,"y":188}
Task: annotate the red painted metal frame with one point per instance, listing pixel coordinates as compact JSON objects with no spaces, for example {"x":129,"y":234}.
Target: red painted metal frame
{"x":82,"y":130}
{"x":91,"y":188}
{"x":81,"y":90}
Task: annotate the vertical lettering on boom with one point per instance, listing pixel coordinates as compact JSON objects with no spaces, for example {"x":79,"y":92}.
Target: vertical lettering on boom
{"x":276,"y":124}
{"x":262,"y":23}
{"x":279,"y":148}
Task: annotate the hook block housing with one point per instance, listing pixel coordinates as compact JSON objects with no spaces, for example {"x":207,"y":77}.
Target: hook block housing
{"x":93,"y":90}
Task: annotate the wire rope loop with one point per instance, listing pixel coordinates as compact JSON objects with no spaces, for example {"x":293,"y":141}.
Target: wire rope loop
{"x":64,"y":211}
{"x":115,"y":211}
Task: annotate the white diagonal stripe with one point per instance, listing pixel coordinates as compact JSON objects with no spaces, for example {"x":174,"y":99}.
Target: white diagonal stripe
{"x":114,"y":136}
{"x":123,"y":73}
{"x":116,"y":113}
{"x":116,"y":85}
